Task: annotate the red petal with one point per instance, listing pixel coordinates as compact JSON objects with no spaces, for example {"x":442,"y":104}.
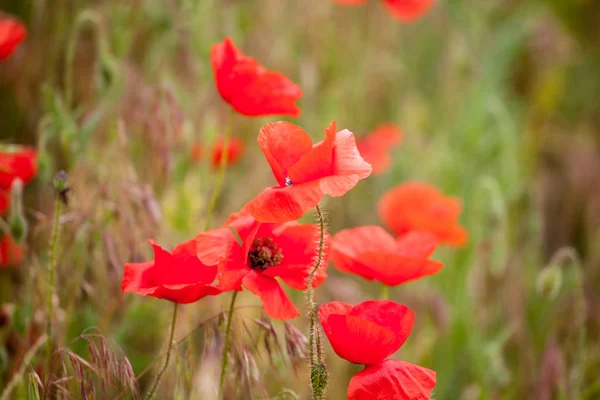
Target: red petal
{"x":11,"y":253}
{"x":233,"y":269}
{"x":392,"y":269}
{"x":360,"y":341}
{"x":213,"y":246}
{"x":417,"y":244}
{"x":12,"y":33}
{"x":318,"y":162}
{"x":186,"y":249}
{"x":235,"y":150}
{"x":276,"y":303}
{"x":335,"y":307}
{"x":374,"y":149}
{"x":4,"y":201}
{"x":283,"y":144}
{"x":392,"y":379}
{"x":408,"y":10}
{"x":17,"y":162}
{"x":285,"y":204}
{"x":398,"y":318}
{"x":249,"y":87}
{"x":298,"y":244}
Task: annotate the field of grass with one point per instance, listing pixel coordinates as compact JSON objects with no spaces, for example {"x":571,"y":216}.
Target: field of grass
{"x":499,"y":104}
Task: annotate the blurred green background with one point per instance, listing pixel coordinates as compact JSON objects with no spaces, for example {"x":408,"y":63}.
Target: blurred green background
{"x":500,"y":105}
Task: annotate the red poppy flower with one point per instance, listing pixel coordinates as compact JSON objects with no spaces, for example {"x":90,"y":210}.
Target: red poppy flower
{"x":392,"y":379}
{"x":12,"y":33}
{"x":267,"y":251}
{"x":305,"y":172}
{"x":179,"y":276}
{"x":10,"y":252}
{"x":4,"y":202}
{"x":415,"y":206}
{"x":373,"y":254}
{"x":248,"y":87}
{"x":17,"y":162}
{"x":366,"y":333}
{"x":402,"y":10}
{"x":235,"y":151}
{"x":375,"y":147}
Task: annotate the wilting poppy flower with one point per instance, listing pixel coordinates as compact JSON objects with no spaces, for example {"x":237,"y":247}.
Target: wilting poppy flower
{"x":415,"y":206}
{"x":248,"y":87}
{"x":305,"y":172}
{"x":235,"y":151}
{"x":366,"y":333}
{"x":10,"y":252}
{"x":402,"y":10}
{"x":17,"y":162}
{"x":373,"y":254}
{"x":179,"y":276}
{"x":392,"y":379}
{"x":376,"y":146}
{"x":267,"y":251}
{"x":12,"y":33}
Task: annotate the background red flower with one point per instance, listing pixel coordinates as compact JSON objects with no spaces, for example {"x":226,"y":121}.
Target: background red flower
{"x":236,"y":149}
{"x":179,"y":276}
{"x":392,"y":379}
{"x":12,"y":33}
{"x":305,"y":172}
{"x":10,"y":252}
{"x":373,"y":254}
{"x":375,"y":148}
{"x":415,"y":206}
{"x":368,"y":332}
{"x":408,"y":10}
{"x":248,"y":87}
{"x":267,"y":251}
{"x":17,"y":162}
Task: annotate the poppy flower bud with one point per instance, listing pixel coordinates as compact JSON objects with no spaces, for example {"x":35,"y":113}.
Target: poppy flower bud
{"x":60,"y":181}
{"x":549,"y":281}
{"x":17,"y":222}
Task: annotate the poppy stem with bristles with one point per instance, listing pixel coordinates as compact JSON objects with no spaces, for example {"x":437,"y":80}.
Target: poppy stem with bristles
{"x":226,"y":345}
{"x":221,"y":174}
{"x":167,"y":358}
{"x":318,"y":374}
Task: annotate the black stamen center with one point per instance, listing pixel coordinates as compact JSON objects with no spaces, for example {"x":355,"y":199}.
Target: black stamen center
{"x":263,"y":254}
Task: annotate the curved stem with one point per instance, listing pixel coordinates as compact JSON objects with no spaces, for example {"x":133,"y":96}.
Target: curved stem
{"x":221,"y":176}
{"x":51,"y":288}
{"x":226,"y":346}
{"x":167,"y":358}
{"x":315,"y":353}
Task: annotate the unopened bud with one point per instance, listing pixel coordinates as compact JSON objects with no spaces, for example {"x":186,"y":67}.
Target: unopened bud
{"x":17,"y":221}
{"x":60,"y":181}
{"x":549,"y":281}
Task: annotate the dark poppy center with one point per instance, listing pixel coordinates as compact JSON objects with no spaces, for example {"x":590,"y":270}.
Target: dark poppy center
{"x":263,"y":254}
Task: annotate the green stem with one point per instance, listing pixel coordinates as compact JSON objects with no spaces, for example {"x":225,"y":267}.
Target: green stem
{"x":221,"y":174}
{"x":52,"y":257}
{"x":226,"y":346}
{"x":315,"y":353}
{"x":167,"y":358}
{"x":384,"y":291}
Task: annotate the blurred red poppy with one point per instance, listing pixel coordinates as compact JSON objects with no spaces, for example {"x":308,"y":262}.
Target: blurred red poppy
{"x":179,"y":276}
{"x":392,"y":379}
{"x":234,"y":153}
{"x":416,"y":206}
{"x":4,"y":201}
{"x":267,"y":251}
{"x":248,"y":87}
{"x":12,"y":33}
{"x":305,"y":172}
{"x":373,"y":254}
{"x":376,"y":146}
{"x":196,"y":152}
{"x":17,"y":162}
{"x":402,"y":10}
{"x":366,"y":333}
{"x":10,"y":252}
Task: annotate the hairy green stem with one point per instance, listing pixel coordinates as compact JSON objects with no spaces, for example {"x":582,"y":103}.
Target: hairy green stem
{"x":314,"y":345}
{"x":226,"y":345}
{"x":51,"y":277}
{"x":167,"y":358}
{"x":221,"y":175}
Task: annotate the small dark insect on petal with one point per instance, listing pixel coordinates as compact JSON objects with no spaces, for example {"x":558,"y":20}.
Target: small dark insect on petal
{"x":288,"y":181}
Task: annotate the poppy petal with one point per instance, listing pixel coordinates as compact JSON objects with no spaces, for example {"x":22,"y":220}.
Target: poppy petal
{"x":316,"y":163}
{"x":285,"y":204}
{"x":283,"y":144}
{"x":392,"y":269}
{"x":233,"y":269}
{"x":416,"y":244}
{"x":213,"y":246}
{"x":408,"y":10}
{"x":276,"y":303}
{"x":12,"y":33}
{"x":398,"y":318}
{"x":392,"y":379}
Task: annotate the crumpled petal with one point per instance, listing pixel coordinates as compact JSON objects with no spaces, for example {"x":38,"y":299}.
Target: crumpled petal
{"x":392,"y":379}
{"x":276,"y":303}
